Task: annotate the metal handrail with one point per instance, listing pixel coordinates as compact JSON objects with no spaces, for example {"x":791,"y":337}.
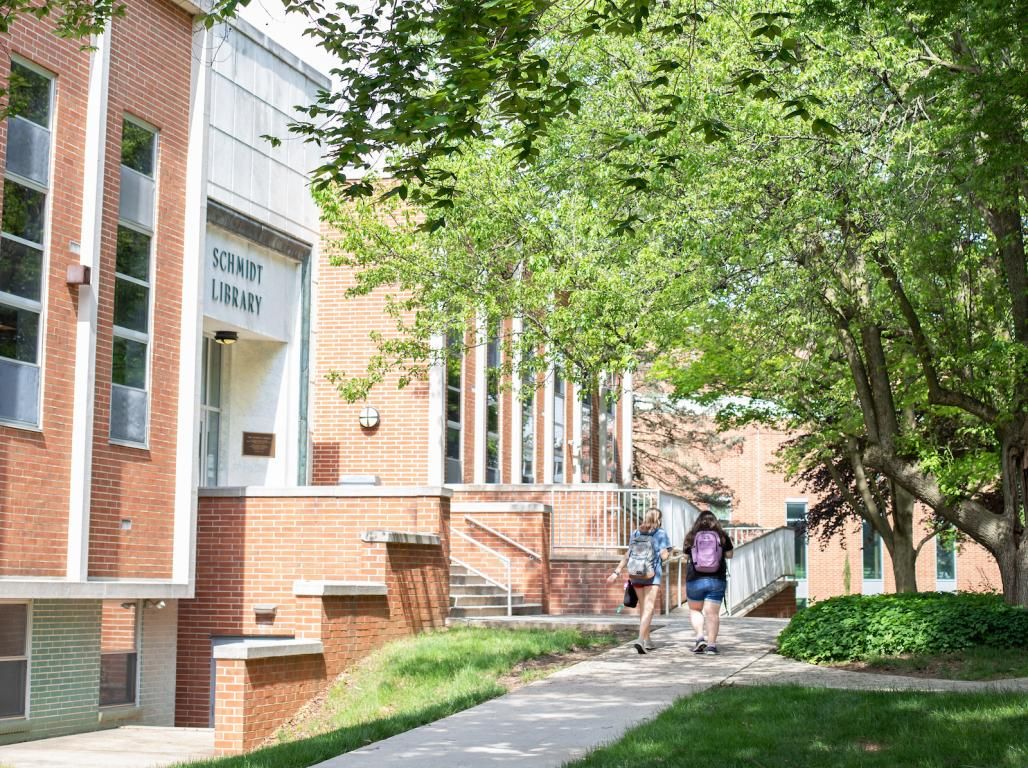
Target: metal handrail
{"x":503,"y":559}
{"x":502,"y":537}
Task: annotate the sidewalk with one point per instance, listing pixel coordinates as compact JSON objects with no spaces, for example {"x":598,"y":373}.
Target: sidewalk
{"x":562,"y":717}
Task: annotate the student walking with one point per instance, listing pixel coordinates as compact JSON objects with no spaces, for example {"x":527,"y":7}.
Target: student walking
{"x":648,"y":548}
{"x":708,"y":548}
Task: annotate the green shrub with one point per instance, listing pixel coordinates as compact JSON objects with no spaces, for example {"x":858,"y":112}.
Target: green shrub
{"x":855,"y":627}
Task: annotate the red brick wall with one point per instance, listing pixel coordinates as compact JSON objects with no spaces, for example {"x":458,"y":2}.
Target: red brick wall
{"x":33,"y":526}
{"x":249,"y":551}
{"x":151,"y":57}
{"x":780,"y":606}
{"x":117,"y":627}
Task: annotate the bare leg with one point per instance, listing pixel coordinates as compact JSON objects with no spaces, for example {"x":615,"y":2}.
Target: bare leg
{"x":696,"y":617}
{"x":712,"y":614}
{"x":648,"y":600}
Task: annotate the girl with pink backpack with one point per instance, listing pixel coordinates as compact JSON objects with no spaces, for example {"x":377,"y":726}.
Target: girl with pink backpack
{"x":708,"y":548}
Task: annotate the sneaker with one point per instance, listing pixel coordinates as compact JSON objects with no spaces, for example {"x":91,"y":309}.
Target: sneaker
{"x":698,"y":645}
{"x":639,"y":647}
{"x":649,"y":645}
{"x":711,"y":650}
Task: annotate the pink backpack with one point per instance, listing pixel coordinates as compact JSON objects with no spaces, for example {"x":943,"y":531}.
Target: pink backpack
{"x":706,"y":552}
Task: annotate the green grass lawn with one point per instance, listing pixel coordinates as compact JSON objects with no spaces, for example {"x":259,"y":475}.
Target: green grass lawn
{"x":793,"y":727}
{"x":409,"y":683}
{"x":980,"y":663}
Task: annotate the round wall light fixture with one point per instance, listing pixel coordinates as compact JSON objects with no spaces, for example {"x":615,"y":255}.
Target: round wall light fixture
{"x":226,"y":337}
{"x":368,"y":417}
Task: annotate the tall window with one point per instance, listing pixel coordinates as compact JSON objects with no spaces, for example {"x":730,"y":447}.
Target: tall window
{"x":558,"y":427}
{"x":585,"y":453}
{"x":492,"y":409}
{"x":528,"y":392}
{"x":14,"y":663}
{"x":132,"y":284}
{"x":611,"y":445}
{"x":796,"y":518}
{"x":945,"y":562}
{"x":872,"y":550}
{"x":454,"y":377}
{"x":118,"y":653}
{"x":210,"y":406}
{"x":22,"y":242}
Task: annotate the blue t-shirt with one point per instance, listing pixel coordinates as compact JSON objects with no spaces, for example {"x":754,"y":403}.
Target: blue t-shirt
{"x":660,"y":543}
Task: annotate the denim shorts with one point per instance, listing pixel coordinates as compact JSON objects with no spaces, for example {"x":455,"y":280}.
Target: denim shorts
{"x":712,"y":590}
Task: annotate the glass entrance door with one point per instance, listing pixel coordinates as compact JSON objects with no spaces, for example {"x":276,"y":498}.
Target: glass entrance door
{"x":210,"y":413}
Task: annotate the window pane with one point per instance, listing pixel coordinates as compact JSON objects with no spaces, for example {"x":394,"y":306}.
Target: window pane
{"x":133,"y":254}
{"x":19,"y":334}
{"x":945,"y":560}
{"x":12,"y":688}
{"x":19,"y":392}
{"x":13,"y":625}
{"x":137,"y":148}
{"x":28,"y":150}
{"x":213,"y":449}
{"x":214,"y":376}
{"x":20,"y":269}
{"x":30,"y":95}
{"x":872,"y":553}
{"x":24,"y":210}
{"x":128,"y":414}
{"x":131,"y":305}
{"x":117,"y":679}
{"x":453,"y":443}
{"x":129,"y":364}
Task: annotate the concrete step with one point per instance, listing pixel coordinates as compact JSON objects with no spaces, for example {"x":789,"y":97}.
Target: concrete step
{"x":469,"y":580}
{"x":476,"y":589}
{"x":525,"y":609}
{"x":468,"y":601}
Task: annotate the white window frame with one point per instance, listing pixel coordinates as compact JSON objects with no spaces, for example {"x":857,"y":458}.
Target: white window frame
{"x":127,"y":333}
{"x":27,"y":658}
{"x":946,"y":585}
{"x":19,"y":302}
{"x":801,"y":584}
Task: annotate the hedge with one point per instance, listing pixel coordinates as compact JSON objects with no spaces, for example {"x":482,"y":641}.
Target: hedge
{"x":857,"y":627}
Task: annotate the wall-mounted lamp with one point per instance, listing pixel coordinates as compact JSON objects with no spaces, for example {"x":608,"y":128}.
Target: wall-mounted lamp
{"x":368,"y":417}
{"x":78,"y":274}
{"x":157,"y":605}
{"x":226,"y":337}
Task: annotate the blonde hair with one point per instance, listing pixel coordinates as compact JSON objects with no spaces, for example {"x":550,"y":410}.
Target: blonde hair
{"x":650,"y":521}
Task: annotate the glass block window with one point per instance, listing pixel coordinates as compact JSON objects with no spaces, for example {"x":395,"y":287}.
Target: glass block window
{"x":454,"y":409}
{"x":492,"y":409}
{"x":132,"y":286}
{"x":14,"y":658}
{"x":23,"y":229}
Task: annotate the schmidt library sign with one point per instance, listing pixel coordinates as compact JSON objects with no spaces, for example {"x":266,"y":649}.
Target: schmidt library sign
{"x":250,"y":287}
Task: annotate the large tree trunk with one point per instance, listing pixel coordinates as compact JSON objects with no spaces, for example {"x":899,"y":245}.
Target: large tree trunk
{"x":1012,"y":552}
{"x":903,"y":550}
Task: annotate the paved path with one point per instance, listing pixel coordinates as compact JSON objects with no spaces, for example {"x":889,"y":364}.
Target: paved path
{"x":132,"y":746}
{"x":575,"y":710}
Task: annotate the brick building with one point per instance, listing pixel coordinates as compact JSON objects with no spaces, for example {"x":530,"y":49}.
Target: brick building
{"x":100,"y":158}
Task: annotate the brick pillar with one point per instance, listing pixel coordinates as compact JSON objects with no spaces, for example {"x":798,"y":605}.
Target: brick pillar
{"x":229,"y":711}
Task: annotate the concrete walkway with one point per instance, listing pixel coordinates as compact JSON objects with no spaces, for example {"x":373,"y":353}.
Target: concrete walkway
{"x":577,"y":709}
{"x":131,"y":746}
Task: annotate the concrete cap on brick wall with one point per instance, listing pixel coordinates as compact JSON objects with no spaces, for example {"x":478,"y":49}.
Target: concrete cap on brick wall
{"x":325,"y":491}
{"x":467,"y":507}
{"x":401,"y":537}
{"x":303,"y":588}
{"x":266,"y":649}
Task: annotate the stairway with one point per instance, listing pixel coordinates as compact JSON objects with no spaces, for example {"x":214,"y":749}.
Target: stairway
{"x":471,"y":596}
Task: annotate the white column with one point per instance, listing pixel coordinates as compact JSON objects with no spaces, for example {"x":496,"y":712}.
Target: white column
{"x":576,"y":431}
{"x":517,"y":407}
{"x":187,"y":462}
{"x":437,"y":412}
{"x":627,"y":420}
{"x":481,"y":381}
{"x":84,"y":386}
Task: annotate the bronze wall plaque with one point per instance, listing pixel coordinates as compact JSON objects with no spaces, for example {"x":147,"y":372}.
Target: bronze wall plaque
{"x":259,"y":444}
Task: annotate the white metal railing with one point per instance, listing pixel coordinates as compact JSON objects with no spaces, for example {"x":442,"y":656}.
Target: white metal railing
{"x":502,"y":537}
{"x":504,"y":560}
{"x":587,"y":517}
{"x":758,"y":563}
{"x":743,"y":534}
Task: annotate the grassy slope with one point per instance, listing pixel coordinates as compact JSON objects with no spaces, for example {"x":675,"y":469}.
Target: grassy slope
{"x":792,"y":727}
{"x":406,"y":684}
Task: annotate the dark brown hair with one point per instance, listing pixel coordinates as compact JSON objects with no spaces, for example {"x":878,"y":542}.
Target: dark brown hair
{"x":707,"y":521}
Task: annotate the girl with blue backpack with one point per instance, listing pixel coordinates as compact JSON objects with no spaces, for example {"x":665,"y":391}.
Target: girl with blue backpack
{"x":648,"y":548}
{"x":708,"y":548}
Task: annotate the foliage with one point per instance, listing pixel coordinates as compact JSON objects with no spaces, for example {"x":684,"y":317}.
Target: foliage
{"x":857,"y":627}
{"x":406,"y":684}
{"x":789,"y":726}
